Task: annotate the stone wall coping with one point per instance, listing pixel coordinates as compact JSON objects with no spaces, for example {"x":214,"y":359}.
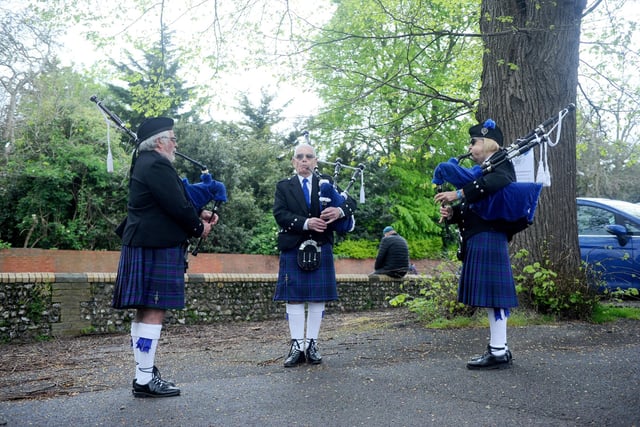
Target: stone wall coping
{"x":93,"y":277}
{"x":27,"y":277}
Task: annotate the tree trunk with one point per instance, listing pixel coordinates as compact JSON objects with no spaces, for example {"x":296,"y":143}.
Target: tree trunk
{"x":529,"y":74}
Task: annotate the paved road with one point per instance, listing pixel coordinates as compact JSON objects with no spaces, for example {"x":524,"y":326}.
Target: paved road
{"x":398,"y":374}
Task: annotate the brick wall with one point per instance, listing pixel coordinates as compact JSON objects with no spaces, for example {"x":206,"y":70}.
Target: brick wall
{"x":63,"y":261}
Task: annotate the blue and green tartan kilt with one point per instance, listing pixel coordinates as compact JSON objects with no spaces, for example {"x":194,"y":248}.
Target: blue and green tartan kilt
{"x":487,"y":279}
{"x":297,"y":285}
{"x":150,"y":278}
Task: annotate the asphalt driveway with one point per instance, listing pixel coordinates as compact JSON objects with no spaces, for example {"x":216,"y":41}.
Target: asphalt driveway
{"x":380,"y":369}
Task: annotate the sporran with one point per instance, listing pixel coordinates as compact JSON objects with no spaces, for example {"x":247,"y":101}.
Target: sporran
{"x":309,"y":255}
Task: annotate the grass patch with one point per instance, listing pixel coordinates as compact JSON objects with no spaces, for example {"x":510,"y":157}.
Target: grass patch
{"x":521,"y":317}
{"x":518,"y":317}
{"x":604,"y":313}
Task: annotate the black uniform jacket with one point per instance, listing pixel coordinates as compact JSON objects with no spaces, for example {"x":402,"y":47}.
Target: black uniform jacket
{"x":290,"y":211}
{"x":159,"y":214}
{"x":469,"y":222}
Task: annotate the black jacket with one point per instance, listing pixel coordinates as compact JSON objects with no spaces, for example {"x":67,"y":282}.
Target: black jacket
{"x":290,"y":211}
{"x":393,"y":256}
{"x":159,"y":213}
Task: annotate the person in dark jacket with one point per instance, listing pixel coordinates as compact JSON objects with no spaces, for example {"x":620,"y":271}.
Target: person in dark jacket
{"x":393,"y":254}
{"x":305,"y":240}
{"x":160,"y":220}
{"x":486,"y":279}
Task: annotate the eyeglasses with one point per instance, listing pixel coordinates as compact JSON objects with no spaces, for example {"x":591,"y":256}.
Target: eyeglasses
{"x":171,"y":138}
{"x":308,"y":156}
{"x":474,"y":140}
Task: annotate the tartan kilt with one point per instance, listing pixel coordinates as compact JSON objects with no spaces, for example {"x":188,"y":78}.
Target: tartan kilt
{"x":487,"y":279}
{"x":150,"y":278}
{"x":297,"y":285}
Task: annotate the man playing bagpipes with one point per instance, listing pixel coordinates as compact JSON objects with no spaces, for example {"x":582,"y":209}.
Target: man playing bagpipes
{"x":305,"y":240}
{"x":489,"y":209}
{"x":163,"y":212}
{"x":150,"y":278}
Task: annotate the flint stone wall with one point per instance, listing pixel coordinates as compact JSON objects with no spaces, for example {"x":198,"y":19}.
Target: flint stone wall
{"x":42,"y":305}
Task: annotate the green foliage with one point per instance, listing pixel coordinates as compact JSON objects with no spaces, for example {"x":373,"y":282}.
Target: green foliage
{"x":394,"y":73}
{"x":438,"y":297}
{"x":265,"y":237}
{"x":604,"y":313}
{"x":154,"y":86}
{"x":430,"y":248}
{"x":357,"y":249}
{"x":624,"y":294}
{"x":394,"y":76}
{"x":544,"y":291}
{"x":55,"y":188}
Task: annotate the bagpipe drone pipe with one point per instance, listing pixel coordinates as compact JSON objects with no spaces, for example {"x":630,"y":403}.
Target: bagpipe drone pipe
{"x":518,"y":200}
{"x":200,"y":194}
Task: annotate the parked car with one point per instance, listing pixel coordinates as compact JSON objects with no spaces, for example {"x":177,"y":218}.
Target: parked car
{"x":609,"y":235}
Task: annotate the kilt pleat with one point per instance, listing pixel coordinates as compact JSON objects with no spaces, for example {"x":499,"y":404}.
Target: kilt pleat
{"x":297,"y":285}
{"x":487,"y":278}
{"x":150,"y":278}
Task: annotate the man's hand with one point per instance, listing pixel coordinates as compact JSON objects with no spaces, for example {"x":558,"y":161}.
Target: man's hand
{"x":317,"y":224}
{"x":330,"y":214}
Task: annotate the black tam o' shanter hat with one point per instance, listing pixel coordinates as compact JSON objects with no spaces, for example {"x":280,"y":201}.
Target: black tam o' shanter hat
{"x":488,"y":129}
{"x":153,"y":126}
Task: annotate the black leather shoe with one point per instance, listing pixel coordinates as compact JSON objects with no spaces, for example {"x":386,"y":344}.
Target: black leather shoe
{"x":296,"y":355}
{"x":155,"y":388}
{"x":156,"y":373}
{"x":489,"y":361}
{"x":312,"y":353}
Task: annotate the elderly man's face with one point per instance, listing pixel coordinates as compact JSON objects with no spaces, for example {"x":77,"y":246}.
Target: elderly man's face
{"x":168,"y":144}
{"x":304,"y":160}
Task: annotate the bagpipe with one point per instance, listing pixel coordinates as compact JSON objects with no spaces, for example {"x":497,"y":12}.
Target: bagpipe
{"x":518,"y":200}
{"x":331,"y":196}
{"x":200,"y":194}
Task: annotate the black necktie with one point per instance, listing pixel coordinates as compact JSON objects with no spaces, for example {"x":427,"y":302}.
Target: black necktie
{"x":305,"y":190}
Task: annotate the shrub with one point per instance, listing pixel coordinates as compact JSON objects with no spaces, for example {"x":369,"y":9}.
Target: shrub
{"x":438,"y":299}
{"x":543,"y":290}
{"x":357,"y":249}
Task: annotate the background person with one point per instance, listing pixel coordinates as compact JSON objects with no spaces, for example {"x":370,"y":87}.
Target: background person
{"x":304,"y":275}
{"x":393,"y":254}
{"x":486,"y":279}
{"x":150,"y":277}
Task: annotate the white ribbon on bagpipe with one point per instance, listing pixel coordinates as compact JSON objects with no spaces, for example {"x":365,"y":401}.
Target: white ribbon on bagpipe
{"x":109,"y":155}
{"x":542,"y":175}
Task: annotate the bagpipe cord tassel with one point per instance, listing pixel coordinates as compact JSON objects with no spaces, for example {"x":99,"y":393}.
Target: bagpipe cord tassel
{"x":109,"y":155}
{"x":361,"y":187}
{"x":546,"y":175}
{"x":543,"y":176}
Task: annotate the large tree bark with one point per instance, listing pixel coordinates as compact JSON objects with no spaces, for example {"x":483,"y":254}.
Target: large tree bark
{"x":530,"y":72}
